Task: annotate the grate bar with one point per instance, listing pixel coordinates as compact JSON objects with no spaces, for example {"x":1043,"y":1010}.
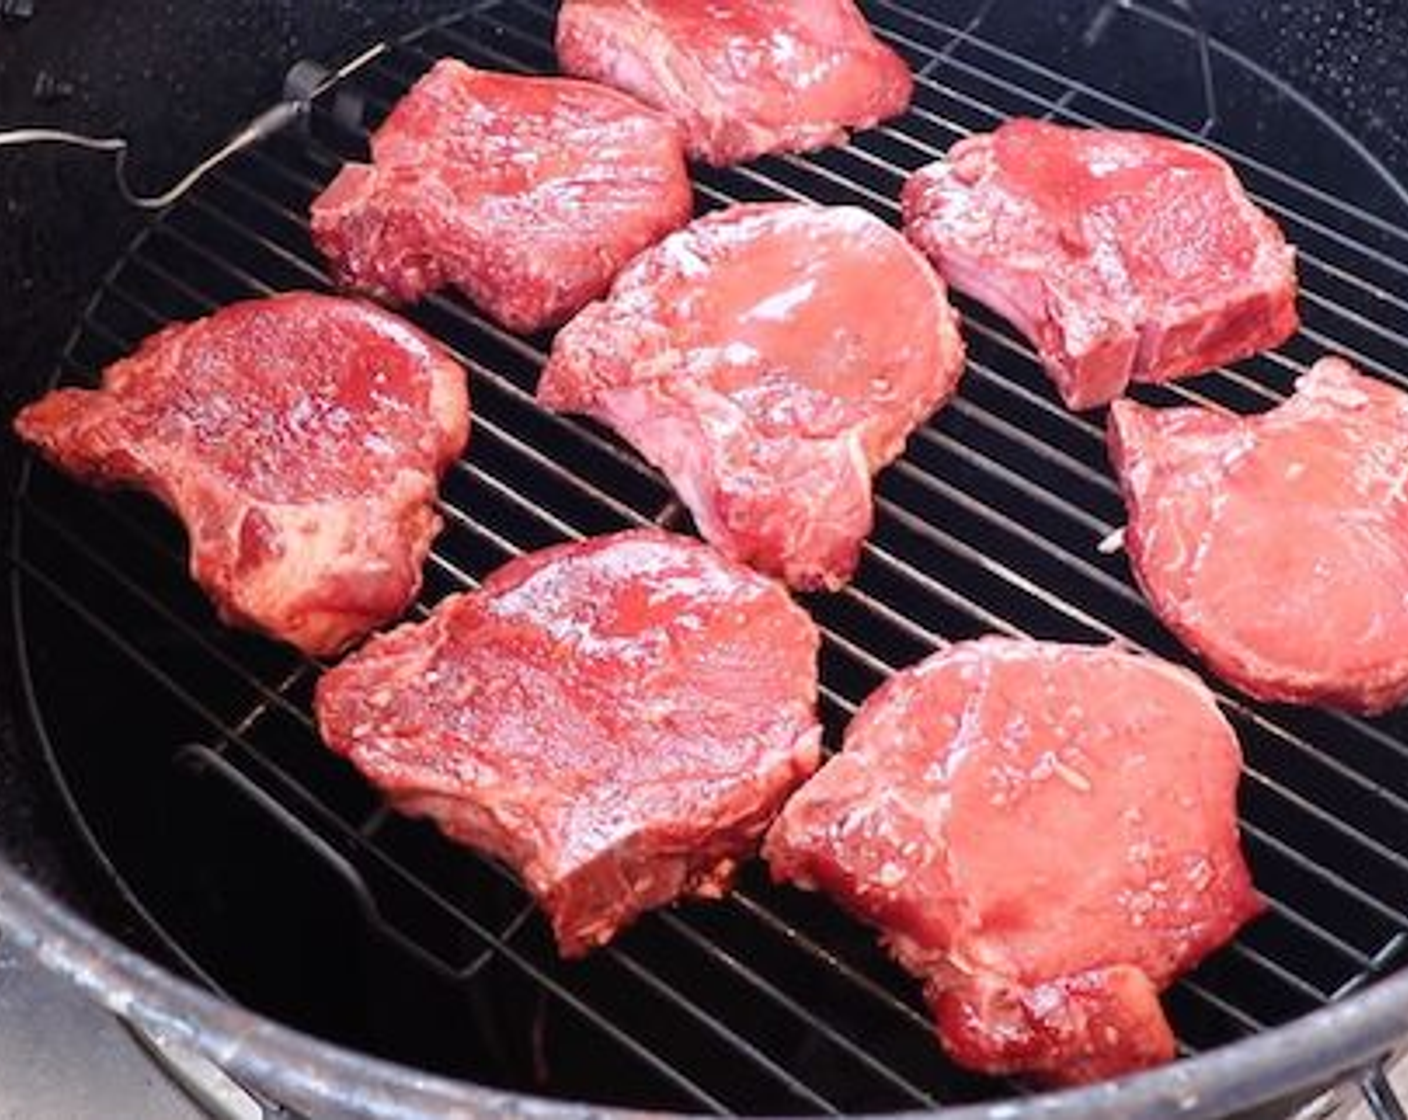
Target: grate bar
{"x":863,"y":155}
{"x":270,"y":697}
{"x":1285,"y":975}
{"x":1013,"y":434}
{"x":932,"y":586}
{"x":1335,"y":346}
{"x":595,"y":493}
{"x":1099,"y":527}
{"x":879,"y":609}
{"x":1076,"y":421}
{"x":1353,"y":955}
{"x":484,"y":478}
{"x":765,"y":916}
{"x":942,"y":489}
{"x":888,"y":203}
{"x":720,"y":1030}
{"x":782,"y":999}
{"x":1378,"y":294}
{"x":261,"y":708}
{"x":455,"y":516}
{"x":1248,"y":1022}
{"x":1363,"y":322}
{"x":1333,"y":878}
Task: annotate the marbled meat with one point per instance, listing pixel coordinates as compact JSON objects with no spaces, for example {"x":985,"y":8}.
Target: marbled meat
{"x":768,"y":358}
{"x":1121,"y":256}
{"x":300,"y":438}
{"x":1275,"y":546}
{"x":527,"y":194}
{"x":744,"y":77}
{"x":617,"y":720}
{"x":1046,"y":835}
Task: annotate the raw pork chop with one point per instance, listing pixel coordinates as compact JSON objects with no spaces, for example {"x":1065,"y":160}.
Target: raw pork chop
{"x":749,"y":358}
{"x":1047,"y":836}
{"x":527,"y":194}
{"x":617,"y":720}
{"x":744,"y":77}
{"x":1119,"y":255}
{"x":1276,"y":546}
{"x":298,"y":437}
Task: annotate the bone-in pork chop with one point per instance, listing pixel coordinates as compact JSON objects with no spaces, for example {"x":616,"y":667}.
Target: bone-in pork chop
{"x":768,"y":358}
{"x":617,"y":720}
{"x":744,"y":77}
{"x":300,"y":439}
{"x":1119,"y":255}
{"x":1046,"y":835}
{"x":1275,"y":546}
{"x":527,"y":194}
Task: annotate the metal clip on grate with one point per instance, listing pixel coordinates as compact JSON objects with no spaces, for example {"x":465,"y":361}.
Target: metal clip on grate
{"x":768,"y":1002}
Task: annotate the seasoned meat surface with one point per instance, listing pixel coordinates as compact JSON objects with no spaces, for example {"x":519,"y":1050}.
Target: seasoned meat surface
{"x":300,"y":439}
{"x":1121,"y":256}
{"x":768,"y":358}
{"x":527,"y":194}
{"x":618,"y":720}
{"x":743,"y":77}
{"x":1045,"y":835}
{"x":1275,"y":546}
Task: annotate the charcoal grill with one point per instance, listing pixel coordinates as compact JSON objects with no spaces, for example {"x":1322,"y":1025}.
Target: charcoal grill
{"x":248,"y":860}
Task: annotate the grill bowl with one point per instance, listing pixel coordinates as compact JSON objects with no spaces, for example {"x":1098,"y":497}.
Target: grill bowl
{"x":299,"y":896}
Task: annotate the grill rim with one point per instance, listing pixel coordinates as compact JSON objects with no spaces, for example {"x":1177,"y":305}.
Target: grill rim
{"x":296,"y":1068}
{"x":1350,"y":1034}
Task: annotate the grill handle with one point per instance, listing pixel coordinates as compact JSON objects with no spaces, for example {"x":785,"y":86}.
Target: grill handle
{"x":201,"y":1079}
{"x":1380,"y":1095}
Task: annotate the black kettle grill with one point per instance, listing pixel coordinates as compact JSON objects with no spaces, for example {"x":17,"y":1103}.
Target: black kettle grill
{"x":177,"y":843}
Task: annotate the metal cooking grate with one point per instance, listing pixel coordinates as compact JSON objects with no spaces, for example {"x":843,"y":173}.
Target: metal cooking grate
{"x":277,"y":876}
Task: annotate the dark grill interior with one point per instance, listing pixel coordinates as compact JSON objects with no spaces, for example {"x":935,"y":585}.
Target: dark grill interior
{"x":273,"y":872}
